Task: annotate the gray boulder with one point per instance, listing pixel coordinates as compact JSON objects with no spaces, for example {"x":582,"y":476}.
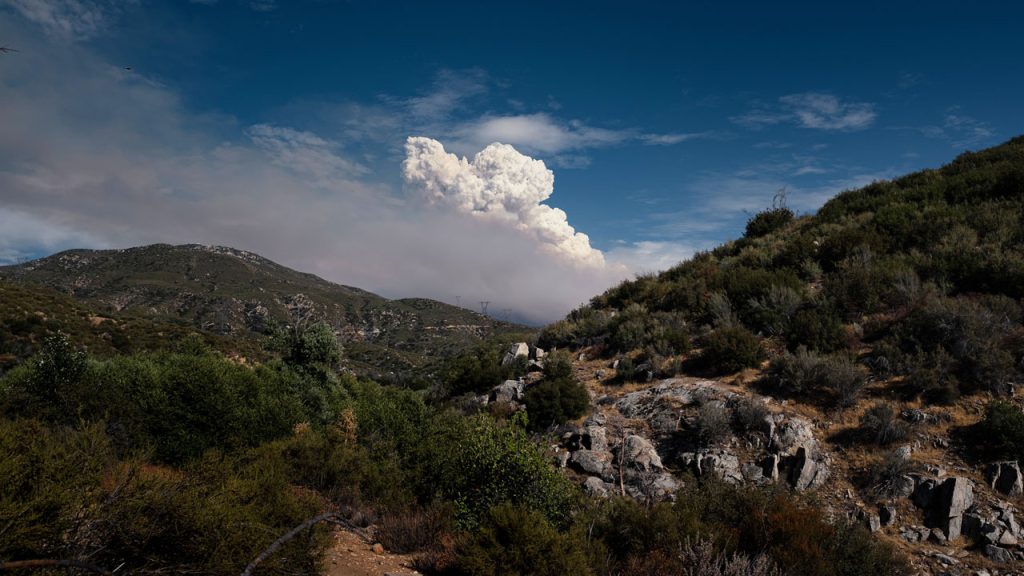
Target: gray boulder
{"x":723,"y":465}
{"x":997,"y":554}
{"x":794,"y":434}
{"x":945,"y":503}
{"x":638,"y":453}
{"x":508,"y":391}
{"x":515,"y":351}
{"x":595,"y":438}
{"x":592,"y":463}
{"x":1006,"y":478}
{"x":596,"y":487}
{"x":805,"y":472}
{"x":887,"y":515}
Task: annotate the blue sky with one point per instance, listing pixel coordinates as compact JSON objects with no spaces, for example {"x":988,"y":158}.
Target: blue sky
{"x":281,"y":127}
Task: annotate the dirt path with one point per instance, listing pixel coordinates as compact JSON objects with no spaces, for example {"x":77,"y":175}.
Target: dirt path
{"x":351,"y":555}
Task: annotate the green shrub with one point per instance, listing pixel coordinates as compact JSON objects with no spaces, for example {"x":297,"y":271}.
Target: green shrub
{"x":817,"y":327}
{"x":1000,"y":435}
{"x":731,"y":349}
{"x":768,"y":221}
{"x":178,"y":405}
{"x":881,"y":425}
{"x":555,"y":401}
{"x":477,"y":371}
{"x":711,"y":424}
{"x":517,"y":541}
{"x":750,"y":414}
{"x":64,"y":495}
{"x":478,"y":463}
{"x":807,"y":373}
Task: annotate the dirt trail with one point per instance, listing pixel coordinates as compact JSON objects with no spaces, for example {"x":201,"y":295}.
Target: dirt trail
{"x":351,"y":555}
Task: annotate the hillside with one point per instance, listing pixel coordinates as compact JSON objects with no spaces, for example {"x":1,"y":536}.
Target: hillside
{"x":869,"y":354}
{"x":238,"y":294}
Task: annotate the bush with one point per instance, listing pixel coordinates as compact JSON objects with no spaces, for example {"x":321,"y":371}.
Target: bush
{"x":1001,"y":433}
{"x":731,"y":349}
{"x":413,"y":529}
{"x":885,"y":477}
{"x":817,"y":328}
{"x":476,"y":371}
{"x":64,"y":495}
{"x":881,"y":425}
{"x":711,"y":424}
{"x":555,"y":401}
{"x":750,"y":414}
{"x":178,"y":405}
{"x":806,"y":373}
{"x":768,"y":221}
{"x":478,"y":463}
{"x":514,"y":541}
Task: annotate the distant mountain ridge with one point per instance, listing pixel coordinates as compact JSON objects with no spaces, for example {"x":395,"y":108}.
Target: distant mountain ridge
{"x":229,"y":291}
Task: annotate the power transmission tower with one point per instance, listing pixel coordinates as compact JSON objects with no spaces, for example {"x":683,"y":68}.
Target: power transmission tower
{"x":483,"y":306}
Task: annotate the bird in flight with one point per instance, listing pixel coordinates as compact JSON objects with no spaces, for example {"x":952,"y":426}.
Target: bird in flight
{"x":5,"y":50}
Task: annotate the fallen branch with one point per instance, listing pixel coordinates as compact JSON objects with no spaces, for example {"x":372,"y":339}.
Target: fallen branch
{"x":36,"y":564}
{"x":332,"y":517}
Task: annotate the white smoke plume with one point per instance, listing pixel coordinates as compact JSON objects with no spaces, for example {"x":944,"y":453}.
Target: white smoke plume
{"x":502,"y":186}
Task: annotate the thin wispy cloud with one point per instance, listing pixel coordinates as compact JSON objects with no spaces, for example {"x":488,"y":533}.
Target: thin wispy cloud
{"x":70,"y":19}
{"x":813,"y":110}
{"x":546,"y":134}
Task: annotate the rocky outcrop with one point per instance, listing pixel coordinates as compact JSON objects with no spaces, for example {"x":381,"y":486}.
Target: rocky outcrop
{"x":1006,"y":478}
{"x":517,"y":350}
{"x":944,"y":503}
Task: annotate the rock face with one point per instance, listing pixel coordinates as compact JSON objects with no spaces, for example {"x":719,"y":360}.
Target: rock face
{"x":507,"y":392}
{"x":945,"y":503}
{"x":1006,"y":478}
{"x":638,"y":453}
{"x":515,"y":351}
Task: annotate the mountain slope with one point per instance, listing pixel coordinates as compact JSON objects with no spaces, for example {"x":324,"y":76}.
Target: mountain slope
{"x":232,"y":292}
{"x":885,"y":332}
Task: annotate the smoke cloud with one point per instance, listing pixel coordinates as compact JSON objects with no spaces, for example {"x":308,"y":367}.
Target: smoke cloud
{"x":499,"y":185}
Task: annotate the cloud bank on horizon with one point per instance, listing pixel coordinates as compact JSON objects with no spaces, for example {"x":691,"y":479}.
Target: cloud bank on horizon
{"x":76,"y":172}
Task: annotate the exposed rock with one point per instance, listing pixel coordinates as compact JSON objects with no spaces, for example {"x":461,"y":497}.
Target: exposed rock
{"x":515,"y":351}
{"x":997,"y":554}
{"x":595,"y":438}
{"x":887,"y":515}
{"x":539,"y":353}
{"x":770,"y":467}
{"x":871,"y":521}
{"x":903,"y":453}
{"x":945,"y":503}
{"x":592,"y":463}
{"x":594,"y":486}
{"x":508,"y":391}
{"x":723,"y":465}
{"x":805,"y":472}
{"x":792,"y":435}
{"x":562,"y":459}
{"x":1006,"y":477}
{"x":638,"y":453}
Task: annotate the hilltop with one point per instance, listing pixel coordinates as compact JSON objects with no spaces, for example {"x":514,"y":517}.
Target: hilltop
{"x":869,"y":354}
{"x":238,"y":295}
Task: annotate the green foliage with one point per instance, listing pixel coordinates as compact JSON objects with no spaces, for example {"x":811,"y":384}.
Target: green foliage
{"x":811,"y":375}
{"x":177,"y":405}
{"x":479,"y":463}
{"x":478,"y":370}
{"x":731,"y":349}
{"x":554,"y":401}
{"x":306,"y":345}
{"x":881,"y":425}
{"x":63,"y":494}
{"x":711,"y":424}
{"x":750,"y":414}
{"x":1000,"y":435}
{"x":517,"y":541}
{"x":628,"y":538}
{"x":817,"y":327}
{"x":768,"y":221}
